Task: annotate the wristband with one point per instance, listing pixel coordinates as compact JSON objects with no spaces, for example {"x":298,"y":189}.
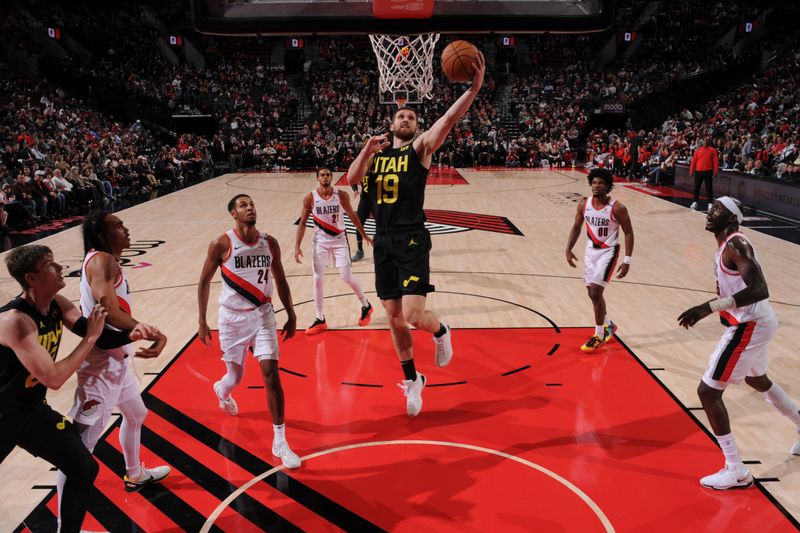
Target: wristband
{"x":626,"y":260}
{"x":720,"y":304}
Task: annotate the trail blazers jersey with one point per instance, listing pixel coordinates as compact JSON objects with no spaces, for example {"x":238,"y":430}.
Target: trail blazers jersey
{"x":327,"y":215}
{"x":602,"y":229}
{"x":729,"y":282}
{"x":123,"y":293}
{"x":246,"y":279}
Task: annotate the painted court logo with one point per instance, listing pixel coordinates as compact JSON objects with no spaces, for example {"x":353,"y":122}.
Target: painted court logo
{"x":442,"y":222}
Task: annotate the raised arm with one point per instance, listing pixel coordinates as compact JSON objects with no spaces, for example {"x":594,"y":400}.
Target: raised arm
{"x":305,"y":212}
{"x":217,"y":250}
{"x":574,"y":233}
{"x":348,"y":208}
{"x":282,"y":286}
{"x":18,"y":331}
{"x":434,"y":138}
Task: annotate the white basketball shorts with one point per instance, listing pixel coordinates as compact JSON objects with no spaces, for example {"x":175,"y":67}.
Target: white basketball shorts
{"x":238,"y":329}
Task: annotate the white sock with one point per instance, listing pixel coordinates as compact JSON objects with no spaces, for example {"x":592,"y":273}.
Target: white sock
{"x":605,"y":320}
{"x":319,"y":295}
{"x":729,"y":449}
{"x":280,"y":433}
{"x":781,"y":401}
{"x":598,"y":330}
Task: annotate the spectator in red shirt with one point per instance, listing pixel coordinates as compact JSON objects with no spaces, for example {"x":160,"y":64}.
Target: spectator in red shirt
{"x":704,"y":168}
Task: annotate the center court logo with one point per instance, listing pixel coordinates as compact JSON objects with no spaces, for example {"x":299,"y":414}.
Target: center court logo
{"x":441,"y":222}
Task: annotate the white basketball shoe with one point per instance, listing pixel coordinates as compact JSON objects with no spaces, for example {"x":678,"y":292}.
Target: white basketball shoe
{"x":412,"y":390}
{"x":730,"y":477}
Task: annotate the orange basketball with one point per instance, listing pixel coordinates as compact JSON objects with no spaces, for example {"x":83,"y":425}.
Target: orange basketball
{"x":457,"y":60}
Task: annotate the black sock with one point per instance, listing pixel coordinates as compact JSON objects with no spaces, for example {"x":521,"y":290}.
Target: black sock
{"x":442,"y":331}
{"x":409,"y":370}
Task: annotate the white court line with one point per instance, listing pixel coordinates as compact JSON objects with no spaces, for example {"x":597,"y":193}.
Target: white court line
{"x":582,"y":495}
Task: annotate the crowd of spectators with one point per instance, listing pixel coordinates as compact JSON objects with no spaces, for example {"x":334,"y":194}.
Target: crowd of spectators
{"x":755,"y":128}
{"x":59,"y":158}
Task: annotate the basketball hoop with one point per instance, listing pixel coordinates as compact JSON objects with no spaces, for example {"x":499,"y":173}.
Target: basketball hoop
{"x":405,"y":65}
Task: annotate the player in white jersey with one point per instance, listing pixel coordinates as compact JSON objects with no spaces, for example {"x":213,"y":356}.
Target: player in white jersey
{"x":603,"y":218}
{"x":741,"y":354}
{"x":327,"y":206}
{"x":105,"y":378}
{"x":249,"y":260}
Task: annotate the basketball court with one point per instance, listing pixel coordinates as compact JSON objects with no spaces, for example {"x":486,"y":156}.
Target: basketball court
{"x":522,"y":431}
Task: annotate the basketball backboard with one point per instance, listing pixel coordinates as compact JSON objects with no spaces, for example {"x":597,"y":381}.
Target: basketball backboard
{"x":304,"y":17}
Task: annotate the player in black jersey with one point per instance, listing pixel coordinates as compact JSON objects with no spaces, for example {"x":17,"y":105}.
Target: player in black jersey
{"x":31,"y":326}
{"x":395,"y":175}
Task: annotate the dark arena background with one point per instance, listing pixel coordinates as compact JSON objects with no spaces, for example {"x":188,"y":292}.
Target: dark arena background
{"x":161,"y":111}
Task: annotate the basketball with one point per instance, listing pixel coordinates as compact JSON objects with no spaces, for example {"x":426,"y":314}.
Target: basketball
{"x":457,"y":60}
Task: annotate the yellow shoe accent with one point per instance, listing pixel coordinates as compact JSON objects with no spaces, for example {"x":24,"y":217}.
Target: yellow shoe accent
{"x":592,"y":344}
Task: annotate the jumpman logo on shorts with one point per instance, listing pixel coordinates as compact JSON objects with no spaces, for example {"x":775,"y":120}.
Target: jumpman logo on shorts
{"x":412,"y":242}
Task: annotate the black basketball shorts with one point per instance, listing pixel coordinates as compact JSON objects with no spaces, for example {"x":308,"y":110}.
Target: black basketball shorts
{"x":402,"y":263}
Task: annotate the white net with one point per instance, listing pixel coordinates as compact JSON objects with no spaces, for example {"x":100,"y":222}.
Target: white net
{"x":405,"y":65}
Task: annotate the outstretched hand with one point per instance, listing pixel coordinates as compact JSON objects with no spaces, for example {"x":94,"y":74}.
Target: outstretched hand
{"x":692,"y":316}
{"x":480,"y":69}
{"x":154,"y":350}
{"x":376,"y":143}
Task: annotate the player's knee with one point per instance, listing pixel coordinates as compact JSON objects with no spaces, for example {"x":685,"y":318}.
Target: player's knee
{"x":270,"y":374}
{"x":346,"y":275}
{"x":414,"y":316}
{"x":759,"y":383}
{"x":707,"y":395}
{"x":82,"y":467}
{"x":236,"y":377}
{"x":141,"y":415}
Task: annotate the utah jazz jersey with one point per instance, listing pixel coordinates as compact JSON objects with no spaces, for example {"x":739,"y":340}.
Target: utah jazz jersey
{"x":396,"y":187}
{"x":19,"y":390}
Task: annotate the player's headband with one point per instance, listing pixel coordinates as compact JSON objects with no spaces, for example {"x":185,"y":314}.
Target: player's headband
{"x":731,"y":206}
